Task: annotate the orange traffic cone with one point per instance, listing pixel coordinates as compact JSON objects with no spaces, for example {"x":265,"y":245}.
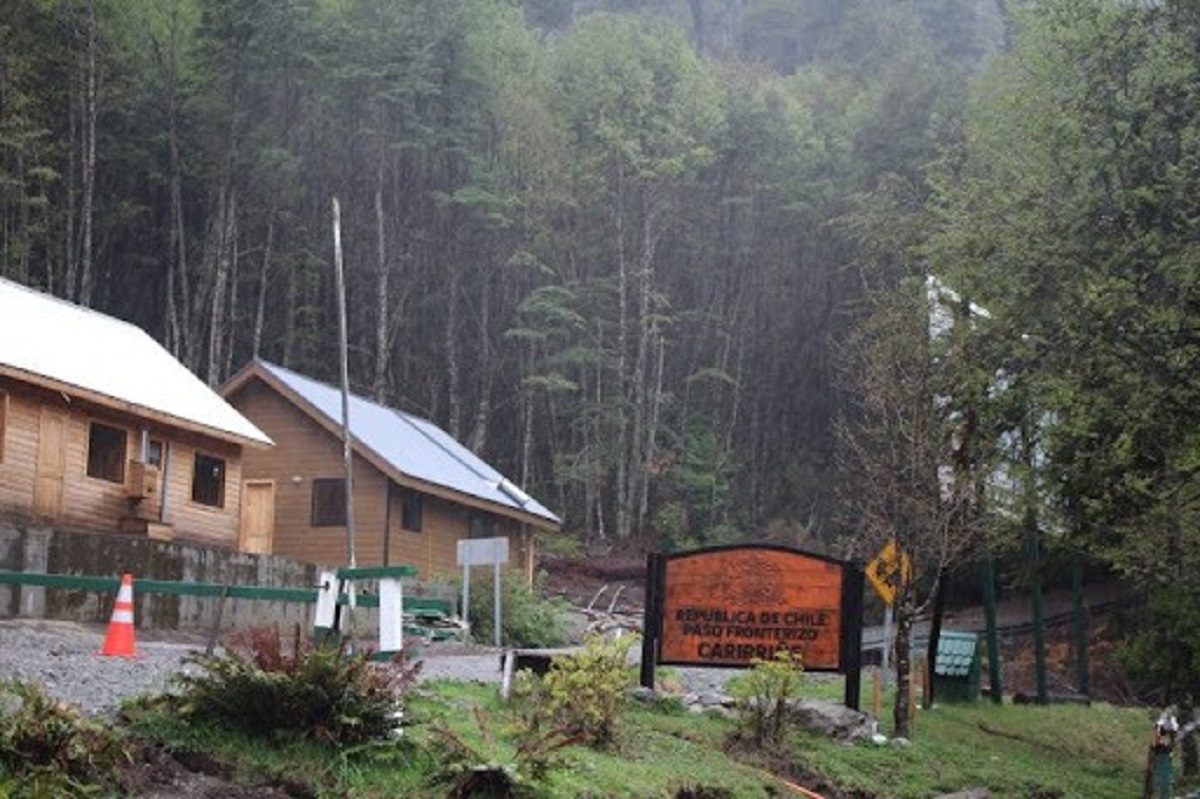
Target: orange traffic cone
{"x":119,"y":640}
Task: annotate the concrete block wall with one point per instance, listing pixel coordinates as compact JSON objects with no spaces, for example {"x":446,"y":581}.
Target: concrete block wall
{"x":49,"y":551}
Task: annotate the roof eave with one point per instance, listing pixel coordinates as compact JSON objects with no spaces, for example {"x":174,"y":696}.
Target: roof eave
{"x":133,"y":408}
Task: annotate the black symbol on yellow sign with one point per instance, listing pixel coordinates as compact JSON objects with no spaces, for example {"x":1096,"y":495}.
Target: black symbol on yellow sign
{"x":890,"y":569}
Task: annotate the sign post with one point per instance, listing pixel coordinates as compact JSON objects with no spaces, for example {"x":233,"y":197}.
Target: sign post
{"x":889,"y":570}
{"x":478,"y":552}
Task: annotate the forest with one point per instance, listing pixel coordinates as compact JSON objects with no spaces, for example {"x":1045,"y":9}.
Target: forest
{"x":812,"y":272}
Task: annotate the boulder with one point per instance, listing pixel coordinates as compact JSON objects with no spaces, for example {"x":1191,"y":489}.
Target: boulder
{"x":832,"y":719}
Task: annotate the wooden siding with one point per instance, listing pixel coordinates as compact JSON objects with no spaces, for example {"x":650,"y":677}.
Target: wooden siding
{"x":305,"y":451}
{"x":90,"y":503}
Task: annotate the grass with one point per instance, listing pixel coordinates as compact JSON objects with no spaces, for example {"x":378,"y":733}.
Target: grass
{"x":1063,"y":751}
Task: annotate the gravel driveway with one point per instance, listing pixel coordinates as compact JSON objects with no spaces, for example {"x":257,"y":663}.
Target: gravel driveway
{"x":61,"y":657}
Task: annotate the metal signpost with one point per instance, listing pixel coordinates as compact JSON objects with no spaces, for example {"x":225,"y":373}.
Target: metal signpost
{"x":891,"y":568}
{"x":480,"y":552}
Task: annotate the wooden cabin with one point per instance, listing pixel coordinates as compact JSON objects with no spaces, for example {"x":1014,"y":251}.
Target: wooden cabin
{"x":101,"y":429}
{"x":416,"y":490}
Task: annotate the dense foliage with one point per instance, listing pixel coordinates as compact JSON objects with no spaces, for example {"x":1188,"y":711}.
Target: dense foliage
{"x":591,"y":239}
{"x":528,"y":616}
{"x":763,"y":695}
{"x":320,"y":693}
{"x":583,"y":695}
{"x":51,"y":749}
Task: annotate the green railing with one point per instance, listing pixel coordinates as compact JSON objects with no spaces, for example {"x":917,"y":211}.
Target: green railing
{"x":82,"y":582}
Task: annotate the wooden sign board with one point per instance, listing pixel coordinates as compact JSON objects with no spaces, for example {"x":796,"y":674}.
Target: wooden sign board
{"x":733,"y":606}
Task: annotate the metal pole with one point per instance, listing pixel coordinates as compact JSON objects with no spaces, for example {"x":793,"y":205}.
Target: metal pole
{"x":347,"y":451}
{"x":995,"y":674}
{"x":1035,"y":601}
{"x":466,"y":608}
{"x":888,"y":615}
{"x":1081,"y":636}
{"x":496,"y":592}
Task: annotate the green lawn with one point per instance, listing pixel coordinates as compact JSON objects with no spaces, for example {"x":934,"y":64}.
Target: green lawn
{"x":1065,"y":751}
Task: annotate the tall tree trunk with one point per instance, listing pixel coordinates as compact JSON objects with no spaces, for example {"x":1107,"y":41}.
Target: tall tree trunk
{"x":450,"y":342}
{"x":623,"y":509}
{"x":382,"y":323}
{"x":902,"y":710}
{"x":642,"y":435}
{"x":179,"y":305}
{"x":225,"y":241}
{"x":483,"y":406}
{"x":89,"y":159}
{"x":232,"y":315}
{"x":260,"y":310}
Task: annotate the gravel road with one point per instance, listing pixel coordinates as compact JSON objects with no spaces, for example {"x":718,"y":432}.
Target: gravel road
{"x":61,"y":657}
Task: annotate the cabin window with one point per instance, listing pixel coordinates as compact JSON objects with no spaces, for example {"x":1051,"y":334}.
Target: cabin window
{"x":411,"y":510}
{"x":328,"y":502}
{"x":3,"y":421}
{"x":106,"y":452}
{"x":154,"y":453}
{"x":483,"y":525}
{"x":208,"y":481}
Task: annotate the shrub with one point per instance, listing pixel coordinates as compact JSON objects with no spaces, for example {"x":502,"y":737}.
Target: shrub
{"x":324,"y":693}
{"x":763,"y":694}
{"x":497,"y":764}
{"x":582,"y":693}
{"x":48,"y":748}
{"x":527,"y":617}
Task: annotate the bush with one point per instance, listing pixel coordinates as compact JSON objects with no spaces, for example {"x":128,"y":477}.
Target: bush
{"x":584,"y":693}
{"x":499,"y":763}
{"x":49,"y":749}
{"x":763,"y":694}
{"x":323,"y":694}
{"x":527,"y":617}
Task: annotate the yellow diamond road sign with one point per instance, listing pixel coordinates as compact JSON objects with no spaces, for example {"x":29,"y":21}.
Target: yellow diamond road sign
{"x":891,"y":568}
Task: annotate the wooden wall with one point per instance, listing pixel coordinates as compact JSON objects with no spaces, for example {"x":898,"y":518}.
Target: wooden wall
{"x":90,"y":503}
{"x":305,"y":450}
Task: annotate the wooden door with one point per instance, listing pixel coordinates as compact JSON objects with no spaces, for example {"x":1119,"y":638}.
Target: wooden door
{"x":51,"y":464}
{"x":258,"y":516}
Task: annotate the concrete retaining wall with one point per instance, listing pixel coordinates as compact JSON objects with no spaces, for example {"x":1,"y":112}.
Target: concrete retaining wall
{"x":43,"y":550}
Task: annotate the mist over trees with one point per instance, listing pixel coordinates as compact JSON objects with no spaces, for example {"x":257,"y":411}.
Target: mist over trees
{"x":637,"y":253}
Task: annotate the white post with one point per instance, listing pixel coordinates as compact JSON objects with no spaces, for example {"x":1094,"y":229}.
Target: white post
{"x":391,"y":615}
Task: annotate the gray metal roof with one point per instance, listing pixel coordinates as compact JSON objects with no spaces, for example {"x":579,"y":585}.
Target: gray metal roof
{"x":44,"y":337}
{"x":413,"y":446}
{"x":956,"y":654}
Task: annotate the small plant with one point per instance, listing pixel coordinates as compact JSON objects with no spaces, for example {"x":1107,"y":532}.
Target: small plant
{"x":495,"y":766}
{"x":323,"y":694}
{"x":582,"y":693}
{"x":48,"y":748}
{"x":763,"y":694}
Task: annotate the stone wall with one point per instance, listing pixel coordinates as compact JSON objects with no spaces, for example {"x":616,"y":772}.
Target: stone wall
{"x":47,"y":551}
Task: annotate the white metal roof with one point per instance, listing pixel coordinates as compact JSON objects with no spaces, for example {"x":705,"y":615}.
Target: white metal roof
{"x":412,"y":445}
{"x":45,"y":337}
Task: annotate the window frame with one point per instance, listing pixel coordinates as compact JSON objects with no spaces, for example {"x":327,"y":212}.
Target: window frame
{"x":412,"y":507}
{"x":332,"y":507}
{"x":93,"y":466}
{"x":486,"y":523}
{"x":223,"y":468}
